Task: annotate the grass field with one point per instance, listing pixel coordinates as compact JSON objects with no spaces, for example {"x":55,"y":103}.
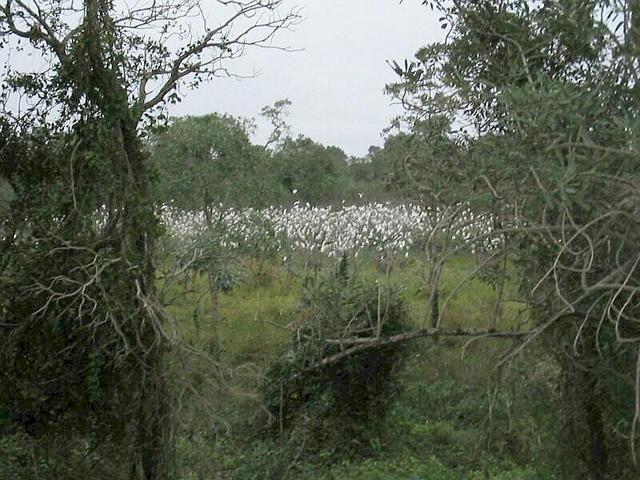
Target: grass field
{"x":456,"y":416}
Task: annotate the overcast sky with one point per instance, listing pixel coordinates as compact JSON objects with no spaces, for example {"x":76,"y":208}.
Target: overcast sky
{"x":336,"y":81}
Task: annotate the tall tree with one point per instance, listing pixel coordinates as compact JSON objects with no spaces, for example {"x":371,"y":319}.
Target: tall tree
{"x":78,"y":302}
{"x":548,"y":91}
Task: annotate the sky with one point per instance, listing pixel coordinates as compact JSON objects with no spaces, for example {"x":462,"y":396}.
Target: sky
{"x":335,"y":79}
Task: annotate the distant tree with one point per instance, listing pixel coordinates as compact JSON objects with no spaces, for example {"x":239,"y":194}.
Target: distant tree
{"x":276,"y":115}
{"x":203,"y":161}
{"x":311,"y":171}
{"x":425,"y":166}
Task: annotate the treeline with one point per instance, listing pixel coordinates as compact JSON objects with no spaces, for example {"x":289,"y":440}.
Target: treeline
{"x":211,"y":159}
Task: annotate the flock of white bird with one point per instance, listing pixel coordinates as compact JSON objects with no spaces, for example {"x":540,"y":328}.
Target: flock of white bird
{"x":385,"y":229}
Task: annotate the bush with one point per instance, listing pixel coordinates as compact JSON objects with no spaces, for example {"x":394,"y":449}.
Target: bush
{"x":338,"y":402}
{"x":60,"y":457}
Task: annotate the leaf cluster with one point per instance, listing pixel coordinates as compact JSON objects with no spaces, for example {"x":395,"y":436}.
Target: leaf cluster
{"x":345,"y":398}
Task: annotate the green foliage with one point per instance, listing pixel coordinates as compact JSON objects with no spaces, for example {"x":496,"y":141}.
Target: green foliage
{"x":437,"y":422}
{"x":74,"y":328}
{"x":47,"y":360}
{"x":311,"y":170}
{"x":409,"y":467}
{"x":425,"y":164}
{"x":348,"y":396}
{"x":276,"y":114}
{"x":546,"y":87}
{"x":58,"y":456}
{"x":202,"y":161}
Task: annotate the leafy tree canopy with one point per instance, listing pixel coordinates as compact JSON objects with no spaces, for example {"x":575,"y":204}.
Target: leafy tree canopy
{"x":210,"y":159}
{"x":310,"y":170}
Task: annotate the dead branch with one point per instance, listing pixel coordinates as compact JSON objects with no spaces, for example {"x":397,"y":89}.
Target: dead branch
{"x":358,"y":345}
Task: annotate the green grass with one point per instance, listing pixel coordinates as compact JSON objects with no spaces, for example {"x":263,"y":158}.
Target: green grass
{"x":439,"y":426}
{"x":253,"y":317}
{"x":254,"y":320}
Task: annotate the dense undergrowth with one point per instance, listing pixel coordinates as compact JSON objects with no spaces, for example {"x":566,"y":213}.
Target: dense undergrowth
{"x":453,"y":415}
{"x":430,"y":409}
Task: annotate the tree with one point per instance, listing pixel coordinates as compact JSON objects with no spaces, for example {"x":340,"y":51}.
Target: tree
{"x":276,"y":115}
{"x":310,"y":170}
{"x":207,"y":160}
{"x":550,"y":92}
{"x":78,"y":294}
{"x":422,"y":165}
{"x":427,"y":169}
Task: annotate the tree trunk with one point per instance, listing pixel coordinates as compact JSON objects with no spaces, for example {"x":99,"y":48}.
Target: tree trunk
{"x":152,"y":439}
{"x":597,"y":457}
{"x":433,"y":302}
{"x":584,"y":438}
{"x":135,"y":238}
{"x":213,"y":286}
{"x":215,"y":313}
{"x":151,"y":456}
{"x":435,"y":306}
{"x":633,"y":33}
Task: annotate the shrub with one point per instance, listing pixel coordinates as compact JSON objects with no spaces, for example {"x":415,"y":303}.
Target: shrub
{"x":338,"y":402}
